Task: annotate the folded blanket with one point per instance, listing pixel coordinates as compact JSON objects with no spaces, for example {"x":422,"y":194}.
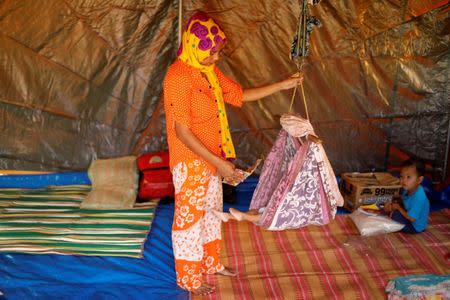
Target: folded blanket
{"x":427,"y":286}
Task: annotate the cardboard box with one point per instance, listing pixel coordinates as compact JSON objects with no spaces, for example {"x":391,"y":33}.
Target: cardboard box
{"x":368,"y":188}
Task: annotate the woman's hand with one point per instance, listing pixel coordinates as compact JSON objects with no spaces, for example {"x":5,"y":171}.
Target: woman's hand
{"x":291,"y":82}
{"x":252,"y":94}
{"x":229,"y":172}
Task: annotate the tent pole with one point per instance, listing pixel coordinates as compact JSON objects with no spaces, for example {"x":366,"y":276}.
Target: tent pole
{"x":447,"y":146}
{"x":445,"y":167}
{"x":394,"y":92}
{"x":180,"y":20}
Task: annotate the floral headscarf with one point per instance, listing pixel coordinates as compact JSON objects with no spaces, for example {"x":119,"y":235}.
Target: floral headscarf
{"x":200,"y":39}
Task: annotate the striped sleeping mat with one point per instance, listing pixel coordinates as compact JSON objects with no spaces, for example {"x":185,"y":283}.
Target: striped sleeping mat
{"x":326,"y":262}
{"x":50,"y":221}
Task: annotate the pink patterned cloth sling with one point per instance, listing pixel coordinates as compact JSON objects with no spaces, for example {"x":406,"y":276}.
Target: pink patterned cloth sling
{"x":297,"y":186}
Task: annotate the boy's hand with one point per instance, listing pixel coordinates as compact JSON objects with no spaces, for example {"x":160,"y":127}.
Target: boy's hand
{"x":388,"y":207}
{"x":395,"y":206}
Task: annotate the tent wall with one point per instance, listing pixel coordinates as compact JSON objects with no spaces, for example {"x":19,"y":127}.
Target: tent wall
{"x":82,"y":79}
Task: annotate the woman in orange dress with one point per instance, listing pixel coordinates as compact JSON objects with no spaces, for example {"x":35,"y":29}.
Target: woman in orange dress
{"x":200,"y":147}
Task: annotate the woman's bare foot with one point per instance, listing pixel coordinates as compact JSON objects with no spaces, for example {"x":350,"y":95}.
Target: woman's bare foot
{"x":227,"y":272}
{"x":204,"y":289}
{"x":225,"y":217}
{"x":237,"y":214}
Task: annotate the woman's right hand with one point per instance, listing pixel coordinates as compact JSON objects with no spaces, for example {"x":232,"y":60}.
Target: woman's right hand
{"x":292,"y":81}
{"x":228,"y":171}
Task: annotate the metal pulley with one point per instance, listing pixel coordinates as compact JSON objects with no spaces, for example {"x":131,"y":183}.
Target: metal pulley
{"x":306,"y":24}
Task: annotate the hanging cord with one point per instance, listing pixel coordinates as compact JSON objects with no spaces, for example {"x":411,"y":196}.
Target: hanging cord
{"x":292,"y":99}
{"x":300,"y":67}
{"x":304,"y":101}
{"x":301,"y":38}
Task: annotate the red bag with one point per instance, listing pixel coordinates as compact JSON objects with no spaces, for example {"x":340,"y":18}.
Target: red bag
{"x":156,"y":184}
{"x":154,"y":160}
{"x":156,"y":178}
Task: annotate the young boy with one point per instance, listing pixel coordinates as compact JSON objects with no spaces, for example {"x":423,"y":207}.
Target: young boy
{"x":415,"y":209}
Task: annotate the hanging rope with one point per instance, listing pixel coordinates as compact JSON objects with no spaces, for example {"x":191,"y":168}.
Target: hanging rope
{"x":300,"y":45}
{"x":292,"y":99}
{"x":304,"y":100}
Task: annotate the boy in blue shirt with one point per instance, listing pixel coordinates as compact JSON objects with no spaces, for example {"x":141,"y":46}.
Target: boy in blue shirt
{"x":416,"y":207}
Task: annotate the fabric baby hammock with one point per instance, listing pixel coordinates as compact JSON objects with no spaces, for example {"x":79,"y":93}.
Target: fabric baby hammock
{"x":297,"y":186}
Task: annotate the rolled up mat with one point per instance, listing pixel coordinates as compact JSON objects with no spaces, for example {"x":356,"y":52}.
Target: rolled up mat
{"x":22,"y":172}
{"x":37,"y":181}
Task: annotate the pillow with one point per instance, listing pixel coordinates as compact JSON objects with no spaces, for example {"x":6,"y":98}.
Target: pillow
{"x":114,"y":171}
{"x":114,"y":183}
{"x":118,"y":198}
{"x":370,"y":224}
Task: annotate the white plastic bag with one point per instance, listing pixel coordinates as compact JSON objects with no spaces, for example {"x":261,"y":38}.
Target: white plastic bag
{"x":371,"y":224}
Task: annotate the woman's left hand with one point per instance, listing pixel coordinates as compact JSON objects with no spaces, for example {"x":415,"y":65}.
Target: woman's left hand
{"x":292,"y":81}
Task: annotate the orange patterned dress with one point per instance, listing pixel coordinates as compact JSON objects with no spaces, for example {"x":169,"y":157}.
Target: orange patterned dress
{"x":196,"y":232}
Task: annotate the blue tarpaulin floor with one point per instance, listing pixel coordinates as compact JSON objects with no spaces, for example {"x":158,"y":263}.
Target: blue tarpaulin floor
{"x":46,"y":276}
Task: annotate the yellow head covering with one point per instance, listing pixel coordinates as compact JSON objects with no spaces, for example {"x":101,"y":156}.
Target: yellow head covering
{"x":200,"y":40}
